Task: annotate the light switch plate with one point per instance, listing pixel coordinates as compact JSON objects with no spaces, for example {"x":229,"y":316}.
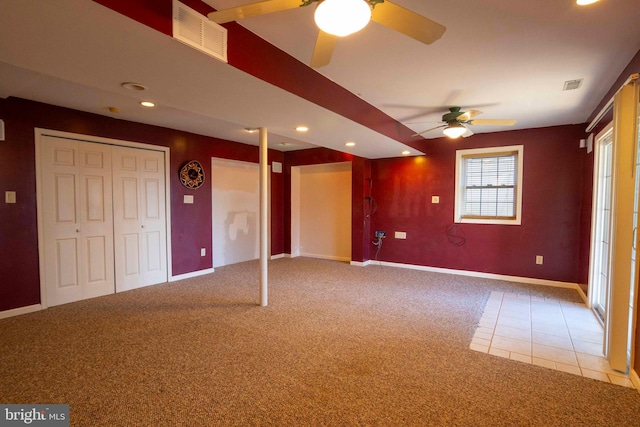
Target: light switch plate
{"x":401,"y":234}
{"x":9,"y":196}
{"x":188,"y":199}
{"x":435,"y":199}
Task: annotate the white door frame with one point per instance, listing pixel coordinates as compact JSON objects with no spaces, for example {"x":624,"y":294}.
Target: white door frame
{"x":594,"y":211}
{"x":39,"y":133}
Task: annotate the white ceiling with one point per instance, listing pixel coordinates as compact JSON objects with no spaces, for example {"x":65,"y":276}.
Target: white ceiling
{"x":506,"y":58}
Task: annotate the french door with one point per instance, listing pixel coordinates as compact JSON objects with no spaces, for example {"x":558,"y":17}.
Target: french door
{"x":602,"y":236}
{"x":613,"y":276}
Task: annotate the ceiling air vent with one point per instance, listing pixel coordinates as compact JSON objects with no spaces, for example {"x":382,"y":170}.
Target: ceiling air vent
{"x":572,"y":84}
{"x":199,"y":32}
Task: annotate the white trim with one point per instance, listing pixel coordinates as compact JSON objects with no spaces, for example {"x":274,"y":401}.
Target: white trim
{"x":329,"y":257}
{"x":191,"y":274}
{"x":517,"y":279}
{"x":20,"y":310}
{"x":39,"y":133}
{"x":360,"y":264}
{"x":594,"y":258}
{"x":635,"y":379}
{"x":278,"y":256}
{"x":584,"y":297}
{"x":460,"y":154}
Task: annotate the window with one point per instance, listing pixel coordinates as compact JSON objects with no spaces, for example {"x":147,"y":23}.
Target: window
{"x":489,"y":185}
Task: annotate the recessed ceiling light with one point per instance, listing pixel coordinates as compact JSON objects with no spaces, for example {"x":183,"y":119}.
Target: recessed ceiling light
{"x":350,"y":144}
{"x":406,"y":152}
{"x":148,"y":104}
{"x":133,"y":86}
{"x":251,"y":130}
{"x":585,"y":2}
{"x":286,"y":144}
{"x":302,"y":128}
{"x":114,"y":110}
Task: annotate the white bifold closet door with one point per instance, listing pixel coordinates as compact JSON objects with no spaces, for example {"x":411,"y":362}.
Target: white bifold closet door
{"x":139,"y":218}
{"x":77,"y":219}
{"x":104,"y":219}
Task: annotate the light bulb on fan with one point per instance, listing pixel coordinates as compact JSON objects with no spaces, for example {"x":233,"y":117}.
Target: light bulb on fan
{"x":454,"y":130}
{"x":342,"y":17}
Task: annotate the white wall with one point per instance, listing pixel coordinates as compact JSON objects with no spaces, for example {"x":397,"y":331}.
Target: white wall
{"x":321,"y":211}
{"x":235,"y":210}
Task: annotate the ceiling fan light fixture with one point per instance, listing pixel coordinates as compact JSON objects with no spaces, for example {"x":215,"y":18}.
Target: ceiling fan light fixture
{"x":342,"y":17}
{"x":454,"y":130}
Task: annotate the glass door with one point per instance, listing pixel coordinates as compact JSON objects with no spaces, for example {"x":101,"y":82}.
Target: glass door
{"x":601,"y":276}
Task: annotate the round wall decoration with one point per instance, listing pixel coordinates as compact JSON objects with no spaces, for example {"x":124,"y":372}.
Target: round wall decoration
{"x":192,"y":175}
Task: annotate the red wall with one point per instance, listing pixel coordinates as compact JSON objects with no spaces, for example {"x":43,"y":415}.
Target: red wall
{"x":551,"y":218}
{"x":190,"y":224}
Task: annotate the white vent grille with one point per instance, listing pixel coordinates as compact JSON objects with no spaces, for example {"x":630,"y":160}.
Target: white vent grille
{"x":199,"y":32}
{"x":572,"y":84}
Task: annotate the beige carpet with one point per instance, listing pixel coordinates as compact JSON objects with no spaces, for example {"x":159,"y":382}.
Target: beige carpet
{"x":338,"y":345}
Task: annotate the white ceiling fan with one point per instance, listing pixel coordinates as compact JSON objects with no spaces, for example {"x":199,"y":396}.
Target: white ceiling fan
{"x":455,"y":121}
{"x":339,"y":18}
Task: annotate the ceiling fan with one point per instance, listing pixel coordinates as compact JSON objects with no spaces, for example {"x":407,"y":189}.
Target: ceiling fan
{"x":455,"y":121}
{"x":332,"y":16}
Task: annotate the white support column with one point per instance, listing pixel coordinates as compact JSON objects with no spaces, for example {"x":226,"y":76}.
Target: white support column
{"x":264,"y":226}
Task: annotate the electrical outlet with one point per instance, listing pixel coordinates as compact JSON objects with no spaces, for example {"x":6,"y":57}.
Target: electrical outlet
{"x":539,"y":259}
{"x":203,"y":251}
{"x":435,"y":199}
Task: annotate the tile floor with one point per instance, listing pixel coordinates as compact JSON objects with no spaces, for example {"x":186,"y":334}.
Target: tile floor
{"x":545,"y":332}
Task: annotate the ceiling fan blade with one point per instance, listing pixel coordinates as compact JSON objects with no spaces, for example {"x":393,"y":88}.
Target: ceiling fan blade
{"x":499,"y":122}
{"x":468,"y":133}
{"x":323,"y":49}
{"x":428,"y":130}
{"x":469,"y":115}
{"x":407,"y":22}
{"x":252,"y":9}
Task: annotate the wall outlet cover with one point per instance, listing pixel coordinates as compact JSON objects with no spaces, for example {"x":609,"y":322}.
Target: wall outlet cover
{"x":9,"y":196}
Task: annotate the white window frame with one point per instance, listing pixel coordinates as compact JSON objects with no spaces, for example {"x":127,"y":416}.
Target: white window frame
{"x":460,"y":182}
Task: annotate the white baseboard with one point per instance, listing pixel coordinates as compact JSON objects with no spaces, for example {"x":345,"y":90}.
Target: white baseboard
{"x":20,"y":310}
{"x":192,"y":274}
{"x":584,"y":297}
{"x":517,"y":279}
{"x":278,"y":256}
{"x":329,"y":257}
{"x":635,"y":380}
{"x":360,"y":263}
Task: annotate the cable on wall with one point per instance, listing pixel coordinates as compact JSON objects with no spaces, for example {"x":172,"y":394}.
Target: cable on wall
{"x":378,"y":243}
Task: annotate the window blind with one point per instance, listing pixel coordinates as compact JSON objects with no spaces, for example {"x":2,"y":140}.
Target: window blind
{"x":490,"y":186}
